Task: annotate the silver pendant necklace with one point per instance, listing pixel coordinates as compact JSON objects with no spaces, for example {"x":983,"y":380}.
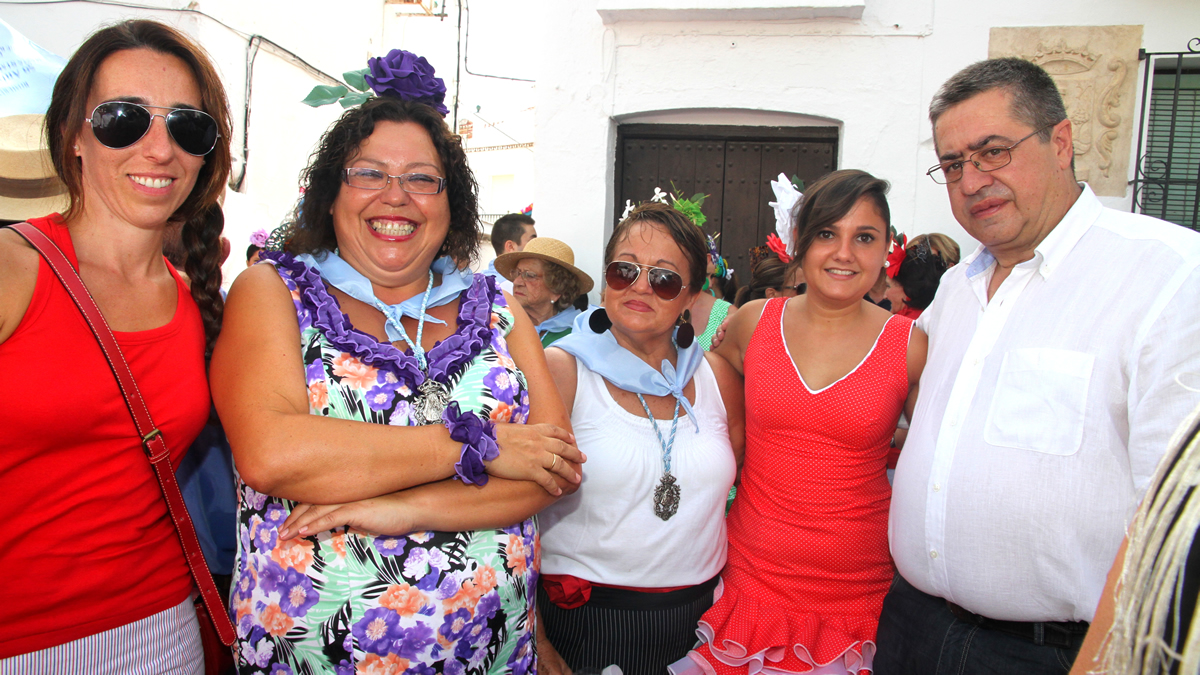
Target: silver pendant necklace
{"x":434,"y":396}
{"x":666,"y":495}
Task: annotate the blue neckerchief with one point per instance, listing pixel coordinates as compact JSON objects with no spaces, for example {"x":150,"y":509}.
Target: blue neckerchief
{"x":604,"y":356}
{"x":351,"y":282}
{"x":560,"y":321}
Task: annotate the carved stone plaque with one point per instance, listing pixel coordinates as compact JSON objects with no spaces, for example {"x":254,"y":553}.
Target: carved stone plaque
{"x":1096,"y":68}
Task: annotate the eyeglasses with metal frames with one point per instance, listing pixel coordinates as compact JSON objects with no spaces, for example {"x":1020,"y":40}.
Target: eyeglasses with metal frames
{"x":988,"y":159}
{"x":526,"y":275}
{"x":120,"y":124}
{"x":412,"y":183}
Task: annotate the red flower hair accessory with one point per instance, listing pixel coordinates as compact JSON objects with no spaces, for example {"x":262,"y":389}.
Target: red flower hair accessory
{"x":896,"y":255}
{"x":776,"y":244}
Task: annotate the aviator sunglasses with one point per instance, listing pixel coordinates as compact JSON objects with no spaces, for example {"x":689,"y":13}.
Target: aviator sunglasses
{"x":120,"y":124}
{"x":666,"y":284}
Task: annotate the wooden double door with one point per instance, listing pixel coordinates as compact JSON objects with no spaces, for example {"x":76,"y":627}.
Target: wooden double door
{"x":733,"y":165}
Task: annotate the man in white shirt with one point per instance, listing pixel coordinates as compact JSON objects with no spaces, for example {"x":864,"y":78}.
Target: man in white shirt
{"x":510,"y":233}
{"x":1048,"y":397}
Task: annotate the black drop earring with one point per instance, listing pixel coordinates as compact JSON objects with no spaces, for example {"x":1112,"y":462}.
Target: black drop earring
{"x":686,"y":335}
{"x":599,"y":321}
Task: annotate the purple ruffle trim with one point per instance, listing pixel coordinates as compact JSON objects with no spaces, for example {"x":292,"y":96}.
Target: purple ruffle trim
{"x":447,"y":357}
{"x":478,"y":436}
{"x":474,"y":329}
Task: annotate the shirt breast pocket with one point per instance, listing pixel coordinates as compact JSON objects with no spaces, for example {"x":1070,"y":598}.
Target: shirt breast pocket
{"x":1040,"y":401}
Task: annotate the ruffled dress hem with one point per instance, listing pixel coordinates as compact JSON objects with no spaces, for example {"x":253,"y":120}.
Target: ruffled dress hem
{"x":779,"y":642}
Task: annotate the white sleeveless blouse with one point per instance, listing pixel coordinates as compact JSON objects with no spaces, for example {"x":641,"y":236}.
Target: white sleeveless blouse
{"x":607,"y":531}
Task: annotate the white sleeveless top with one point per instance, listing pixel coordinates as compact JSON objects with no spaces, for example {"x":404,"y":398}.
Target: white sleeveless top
{"x":607,"y":531}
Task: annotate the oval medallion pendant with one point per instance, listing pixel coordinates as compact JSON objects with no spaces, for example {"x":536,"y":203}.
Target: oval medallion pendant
{"x":434,"y":398}
{"x":666,"y":497}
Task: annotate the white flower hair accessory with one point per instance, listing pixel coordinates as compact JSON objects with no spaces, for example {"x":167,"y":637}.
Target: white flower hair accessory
{"x":786,"y":199}
{"x":629,"y":207}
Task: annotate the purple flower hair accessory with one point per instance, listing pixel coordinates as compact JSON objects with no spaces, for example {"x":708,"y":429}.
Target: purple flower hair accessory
{"x":478,"y":437}
{"x":404,"y":75}
{"x":259,"y":238}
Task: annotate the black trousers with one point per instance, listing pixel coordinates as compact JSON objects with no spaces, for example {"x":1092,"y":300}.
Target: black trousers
{"x":642,"y":633}
{"x":918,"y":635}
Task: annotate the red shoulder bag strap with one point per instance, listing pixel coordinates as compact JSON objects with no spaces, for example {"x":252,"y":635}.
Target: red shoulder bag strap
{"x":152,"y":440}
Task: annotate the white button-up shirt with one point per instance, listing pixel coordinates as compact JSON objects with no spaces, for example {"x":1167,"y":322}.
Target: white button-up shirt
{"x":1043,"y":413}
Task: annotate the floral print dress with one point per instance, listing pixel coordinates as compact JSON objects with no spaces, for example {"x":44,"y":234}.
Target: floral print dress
{"x":343,"y":602}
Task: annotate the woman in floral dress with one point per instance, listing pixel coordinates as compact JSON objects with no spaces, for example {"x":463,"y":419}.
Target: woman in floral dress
{"x":366,"y":370}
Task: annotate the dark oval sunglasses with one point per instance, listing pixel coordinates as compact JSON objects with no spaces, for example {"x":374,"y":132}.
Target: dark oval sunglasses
{"x":666,"y":284}
{"x":120,"y":124}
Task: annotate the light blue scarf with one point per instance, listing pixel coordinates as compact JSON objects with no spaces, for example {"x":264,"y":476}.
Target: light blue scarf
{"x":560,"y":321}
{"x":351,"y":282}
{"x":604,"y":356}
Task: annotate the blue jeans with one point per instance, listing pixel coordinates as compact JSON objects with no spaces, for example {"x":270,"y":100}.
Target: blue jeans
{"x":919,"y":636}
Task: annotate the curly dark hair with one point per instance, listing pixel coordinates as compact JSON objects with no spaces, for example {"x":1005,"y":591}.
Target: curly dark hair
{"x":200,"y":238}
{"x":322,"y":179}
{"x":689,"y":238}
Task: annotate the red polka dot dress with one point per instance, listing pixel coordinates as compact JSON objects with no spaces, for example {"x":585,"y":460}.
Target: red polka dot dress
{"x":808,"y":548}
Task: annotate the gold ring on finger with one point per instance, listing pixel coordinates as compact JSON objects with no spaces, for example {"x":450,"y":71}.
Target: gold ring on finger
{"x":554,"y":463}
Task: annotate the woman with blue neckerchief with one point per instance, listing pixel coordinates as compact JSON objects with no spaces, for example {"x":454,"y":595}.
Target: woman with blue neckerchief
{"x":630,"y":561}
{"x":392,"y":418}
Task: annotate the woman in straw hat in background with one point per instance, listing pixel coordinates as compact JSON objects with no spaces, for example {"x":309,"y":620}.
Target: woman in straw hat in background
{"x":546,"y":282}
{"x":138,"y":129}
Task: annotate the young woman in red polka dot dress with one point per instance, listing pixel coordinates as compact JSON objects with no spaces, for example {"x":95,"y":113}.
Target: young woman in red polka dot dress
{"x":827,"y":376}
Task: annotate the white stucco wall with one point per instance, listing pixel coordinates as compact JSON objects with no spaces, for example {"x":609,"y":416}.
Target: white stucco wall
{"x":873,"y":77}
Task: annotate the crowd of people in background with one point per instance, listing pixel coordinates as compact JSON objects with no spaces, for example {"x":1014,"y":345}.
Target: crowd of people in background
{"x":436,"y":470}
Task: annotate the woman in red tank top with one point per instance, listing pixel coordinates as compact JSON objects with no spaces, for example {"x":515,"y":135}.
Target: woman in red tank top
{"x":827,"y":376}
{"x":96,"y":579}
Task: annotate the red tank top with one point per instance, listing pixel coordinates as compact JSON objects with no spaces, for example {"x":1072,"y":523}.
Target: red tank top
{"x":87,"y":541}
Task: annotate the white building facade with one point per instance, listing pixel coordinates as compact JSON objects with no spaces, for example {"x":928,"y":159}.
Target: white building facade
{"x":835,"y":83}
{"x":855,"y":75}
